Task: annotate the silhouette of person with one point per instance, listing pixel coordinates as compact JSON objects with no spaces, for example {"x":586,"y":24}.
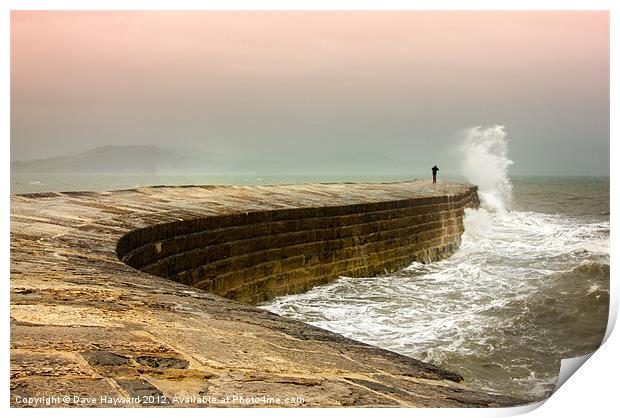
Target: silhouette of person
{"x":435,"y":170}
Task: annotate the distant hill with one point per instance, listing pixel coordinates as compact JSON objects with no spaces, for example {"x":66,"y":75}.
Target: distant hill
{"x":151,"y":159}
{"x":115,"y":159}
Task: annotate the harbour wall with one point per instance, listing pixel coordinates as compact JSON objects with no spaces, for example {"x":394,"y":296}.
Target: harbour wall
{"x":255,"y":256}
{"x":118,"y":295}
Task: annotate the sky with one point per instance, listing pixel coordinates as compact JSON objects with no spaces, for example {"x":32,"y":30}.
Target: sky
{"x":296,"y":85}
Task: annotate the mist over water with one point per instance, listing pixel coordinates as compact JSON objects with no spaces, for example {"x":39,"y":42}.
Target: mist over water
{"x":528,"y":287}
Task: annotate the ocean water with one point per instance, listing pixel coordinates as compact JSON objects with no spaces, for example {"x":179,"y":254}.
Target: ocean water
{"x":528,"y":287}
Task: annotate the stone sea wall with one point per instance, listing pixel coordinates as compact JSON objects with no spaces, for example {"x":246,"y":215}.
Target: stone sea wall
{"x":150,"y":328}
{"x":252,"y":257}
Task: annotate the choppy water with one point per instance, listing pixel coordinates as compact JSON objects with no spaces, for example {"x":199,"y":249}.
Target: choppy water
{"x":526,"y":289}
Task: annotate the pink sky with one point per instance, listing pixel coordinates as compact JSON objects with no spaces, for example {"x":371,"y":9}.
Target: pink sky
{"x":259,"y":76}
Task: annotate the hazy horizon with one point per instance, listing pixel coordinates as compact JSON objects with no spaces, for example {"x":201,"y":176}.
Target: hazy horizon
{"x":273,"y":86}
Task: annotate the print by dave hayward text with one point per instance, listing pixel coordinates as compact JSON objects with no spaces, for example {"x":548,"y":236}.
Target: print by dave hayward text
{"x":159,"y":400}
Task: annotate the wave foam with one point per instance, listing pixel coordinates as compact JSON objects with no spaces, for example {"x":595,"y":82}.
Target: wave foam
{"x":486,"y":163}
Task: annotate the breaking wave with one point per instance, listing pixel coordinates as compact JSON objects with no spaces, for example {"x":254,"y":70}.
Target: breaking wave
{"x":485,"y":163}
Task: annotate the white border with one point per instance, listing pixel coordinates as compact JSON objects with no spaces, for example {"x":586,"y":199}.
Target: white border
{"x":593,"y":389}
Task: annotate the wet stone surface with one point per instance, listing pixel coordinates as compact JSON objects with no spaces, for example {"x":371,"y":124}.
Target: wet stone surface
{"x":104,"y":358}
{"x":88,"y":326}
{"x":162,"y":362}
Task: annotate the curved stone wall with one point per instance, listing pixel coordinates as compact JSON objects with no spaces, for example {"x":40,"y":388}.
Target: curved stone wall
{"x":255,"y":256}
{"x":84,"y":322}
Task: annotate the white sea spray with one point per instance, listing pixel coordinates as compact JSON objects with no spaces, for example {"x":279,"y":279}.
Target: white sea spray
{"x":485,"y":163}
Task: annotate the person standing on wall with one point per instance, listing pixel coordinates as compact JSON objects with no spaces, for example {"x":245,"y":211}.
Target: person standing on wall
{"x":435,"y":170}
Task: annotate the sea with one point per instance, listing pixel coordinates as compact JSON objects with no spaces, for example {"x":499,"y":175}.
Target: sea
{"x":528,"y":287}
